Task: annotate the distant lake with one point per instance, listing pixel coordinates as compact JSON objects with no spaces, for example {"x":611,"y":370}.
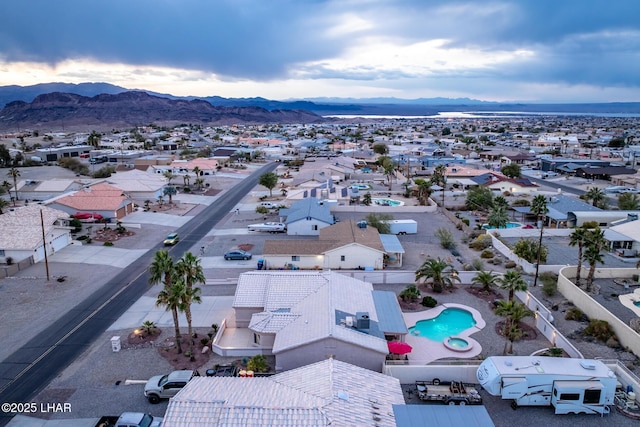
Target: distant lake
{"x":482,"y":115}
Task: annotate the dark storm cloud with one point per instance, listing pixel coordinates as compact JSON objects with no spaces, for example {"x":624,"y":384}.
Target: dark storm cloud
{"x":590,"y":42}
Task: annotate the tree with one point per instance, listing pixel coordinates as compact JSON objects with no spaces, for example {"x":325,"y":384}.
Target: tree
{"x":3,"y":204}
{"x":628,"y":202}
{"x":500,"y":202}
{"x":14,"y":173}
{"x":162,"y":269}
{"x":512,"y":281}
{"x":577,"y":238}
{"x":380,"y":148}
{"x":511,"y":170}
{"x":269,"y":180}
{"x":498,"y":218}
{"x":189,"y":267}
{"x":424,"y":190}
{"x":440,"y":271}
{"x":596,"y":195}
{"x":388,"y":168}
{"x":380,"y":222}
{"x":540,"y":210}
{"x":513,"y":312}
{"x":366,"y":199}
{"x":595,"y":243}
{"x":486,"y":279}
{"x":170,"y":191}
{"x":410,"y":294}
{"x":527,"y":249}
{"x":169,"y":175}
{"x":439,"y":177}
{"x":186,"y":178}
{"x":94,"y":139}
{"x":479,"y":198}
{"x":172,"y":298}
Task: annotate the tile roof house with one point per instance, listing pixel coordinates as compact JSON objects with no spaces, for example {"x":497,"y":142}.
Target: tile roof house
{"x":501,"y":183}
{"x":302,"y":317}
{"x":307,"y":217}
{"x":22,"y":230}
{"x":343,"y":245}
{"x":35,"y":190}
{"x":104,"y":199}
{"x":138,"y":185}
{"x":326,"y":393}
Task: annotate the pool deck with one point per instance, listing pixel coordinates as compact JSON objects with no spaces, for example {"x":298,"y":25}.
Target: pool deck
{"x":426,"y":351}
{"x":628,"y":301}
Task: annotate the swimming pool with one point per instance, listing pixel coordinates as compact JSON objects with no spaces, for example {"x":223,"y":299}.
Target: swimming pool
{"x":509,"y":225}
{"x":387,"y":202}
{"x":361,"y":186}
{"x":449,"y":323}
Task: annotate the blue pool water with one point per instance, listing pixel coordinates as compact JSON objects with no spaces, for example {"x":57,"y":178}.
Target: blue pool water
{"x":361,"y":186}
{"x":636,"y":303}
{"x":387,"y":202}
{"x":509,"y":225}
{"x":450,"y":322}
{"x":458,"y":343}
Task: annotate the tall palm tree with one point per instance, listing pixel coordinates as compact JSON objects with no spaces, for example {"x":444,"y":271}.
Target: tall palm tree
{"x":172,"y":298}
{"x":196,"y":171}
{"x":596,"y":195}
{"x":594,"y":242}
{"x":577,"y":238}
{"x":512,"y":281}
{"x":15,"y":173}
{"x":189,"y":267}
{"x":540,"y":210}
{"x":186,"y":178}
{"x":440,"y":271}
{"x":439,"y":177}
{"x":170,"y":191}
{"x":3,"y":204}
{"x":190,"y":296}
{"x":162,"y":269}
{"x":169,"y":175}
{"x":486,"y":279}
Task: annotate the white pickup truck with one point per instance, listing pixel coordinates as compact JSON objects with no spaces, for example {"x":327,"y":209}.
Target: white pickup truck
{"x":271,"y":227}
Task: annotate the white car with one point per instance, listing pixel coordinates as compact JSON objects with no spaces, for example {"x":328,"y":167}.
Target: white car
{"x":271,"y":227}
{"x":620,"y":189}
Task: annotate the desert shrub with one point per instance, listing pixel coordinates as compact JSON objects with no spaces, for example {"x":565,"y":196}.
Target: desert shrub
{"x":466,"y":221}
{"x":600,"y":330}
{"x":549,"y":283}
{"x":510,"y":264}
{"x":527,"y":249}
{"x":446,"y":238}
{"x":410,"y":294}
{"x":107,"y":244}
{"x":429,"y":301}
{"x":486,"y":254}
{"x":76,"y":224}
{"x":204,"y":341}
{"x":590,"y":224}
{"x":497,"y":261}
{"x":481,"y":242}
{"x":258,"y":363}
{"x":262,"y":210}
{"x":477,"y":264}
{"x":521,"y":202}
{"x":575,"y":314}
{"x":455,"y":252}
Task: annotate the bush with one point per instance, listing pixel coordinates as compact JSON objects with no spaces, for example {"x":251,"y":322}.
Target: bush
{"x":486,"y":254}
{"x":477,"y":264}
{"x":575,"y":314}
{"x":258,"y":363}
{"x":107,"y":244}
{"x":455,"y":252}
{"x":204,"y":341}
{"x":76,"y":224}
{"x":410,"y":294}
{"x":590,"y":224}
{"x":466,"y":221}
{"x":481,"y":242}
{"x":429,"y":301}
{"x":497,"y":261}
{"x":510,"y":264}
{"x":521,"y":202}
{"x":262,"y":210}
{"x":527,"y":249}
{"x":549,"y":283}
{"x":600,"y":330}
{"x":446,"y":238}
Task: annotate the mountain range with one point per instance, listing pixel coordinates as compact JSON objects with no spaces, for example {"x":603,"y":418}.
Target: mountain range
{"x":50,"y":105}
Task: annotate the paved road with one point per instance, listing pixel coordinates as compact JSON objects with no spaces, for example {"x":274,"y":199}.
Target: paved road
{"x":29,"y":369}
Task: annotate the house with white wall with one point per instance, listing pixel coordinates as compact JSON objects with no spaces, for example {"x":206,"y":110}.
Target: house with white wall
{"x":306,"y":217}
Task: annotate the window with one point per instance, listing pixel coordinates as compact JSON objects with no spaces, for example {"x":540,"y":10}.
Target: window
{"x":314,"y":227}
{"x":256,"y":339}
{"x":591,"y":396}
{"x":342,"y":257}
{"x":569,"y":396}
{"x":295,"y":258}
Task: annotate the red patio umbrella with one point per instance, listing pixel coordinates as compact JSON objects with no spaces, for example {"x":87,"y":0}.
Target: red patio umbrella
{"x":398,"y":347}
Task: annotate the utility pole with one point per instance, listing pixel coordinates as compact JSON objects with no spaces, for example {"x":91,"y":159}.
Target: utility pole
{"x":44,"y":244}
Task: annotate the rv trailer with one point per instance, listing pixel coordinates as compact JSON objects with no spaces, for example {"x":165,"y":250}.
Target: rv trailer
{"x":569,"y":385}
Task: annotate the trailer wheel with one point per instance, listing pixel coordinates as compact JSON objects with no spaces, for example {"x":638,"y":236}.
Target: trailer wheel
{"x":463,"y":402}
{"x":450,"y":402}
{"x":436,"y":381}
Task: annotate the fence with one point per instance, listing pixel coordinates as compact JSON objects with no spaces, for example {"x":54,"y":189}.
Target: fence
{"x":527,"y":267}
{"x":10,"y":270}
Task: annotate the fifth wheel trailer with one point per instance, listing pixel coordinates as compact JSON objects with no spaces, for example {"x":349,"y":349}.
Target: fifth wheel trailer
{"x":569,"y":385}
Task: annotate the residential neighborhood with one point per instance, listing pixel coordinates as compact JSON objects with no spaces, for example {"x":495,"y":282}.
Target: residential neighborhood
{"x":406,"y":253}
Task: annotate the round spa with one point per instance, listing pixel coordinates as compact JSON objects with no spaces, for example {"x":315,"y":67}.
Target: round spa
{"x":458,"y":344}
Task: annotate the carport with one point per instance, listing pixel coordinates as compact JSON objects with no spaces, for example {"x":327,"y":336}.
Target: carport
{"x":441,"y":416}
{"x":393,"y":249}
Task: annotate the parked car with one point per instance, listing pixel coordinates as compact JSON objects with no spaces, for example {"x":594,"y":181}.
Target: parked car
{"x":237,"y":254}
{"x":166,"y":386}
{"x":171,"y":239}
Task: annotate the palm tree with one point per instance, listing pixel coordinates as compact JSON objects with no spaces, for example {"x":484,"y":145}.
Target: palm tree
{"x":628,"y":202}
{"x":162,"y":269}
{"x":189,"y":267}
{"x":594,"y":242}
{"x":190,"y":296}
{"x":596,"y":195}
{"x":196,"y":171}
{"x":577,"y":237}
{"x":513,"y":312}
{"x":172,"y":298}
{"x":440,"y":271}
{"x":169,"y":175}
{"x":498,"y":217}
{"x":94,"y":139}
{"x":439,"y":177}
{"x":170,"y":191}
{"x":486,"y":279}
{"x":186,"y":178}
{"x":199,"y":182}
{"x":539,"y":208}
{"x":512,"y":281}
{"x":15,"y":173}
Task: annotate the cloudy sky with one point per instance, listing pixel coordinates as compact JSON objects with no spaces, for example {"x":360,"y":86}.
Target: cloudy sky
{"x":502,"y":50}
